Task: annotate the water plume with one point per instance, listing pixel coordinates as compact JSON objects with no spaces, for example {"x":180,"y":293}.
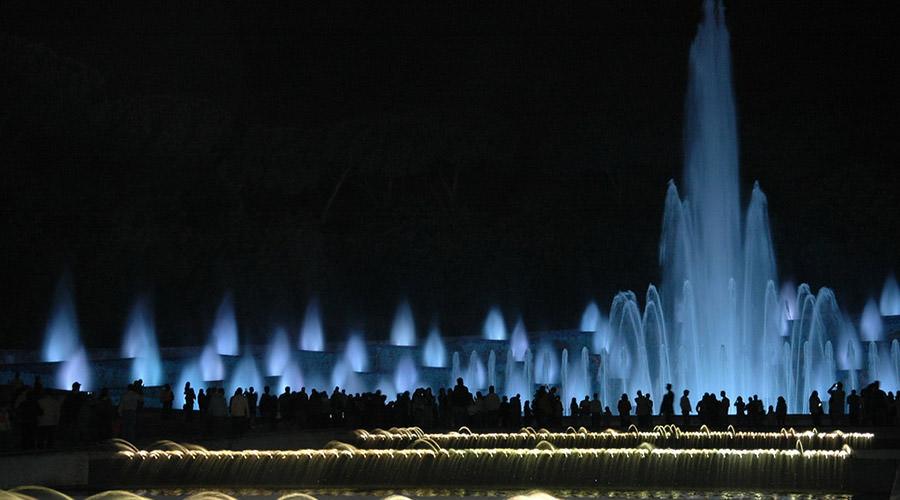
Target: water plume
{"x":403,"y":331}
{"x":406,"y":376}
{"x":494,"y":326}
{"x":278,"y":352}
{"x":890,"y":297}
{"x":870,"y":324}
{"x":224,"y":334}
{"x":312,"y":337}
{"x":355,"y":352}
{"x":518,"y":341}
{"x":61,"y":336}
{"x":139,"y":343}
{"x":434,"y":353}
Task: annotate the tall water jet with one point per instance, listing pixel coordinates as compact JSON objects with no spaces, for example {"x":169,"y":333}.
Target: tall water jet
{"x":870,"y":324}
{"x":890,"y":297}
{"x":61,"y":338}
{"x":518,"y":341}
{"x":494,"y":325}
{"x":355,"y":353}
{"x":406,"y":377}
{"x":403,"y":331}
{"x":434,"y":353}
{"x":224,"y":333}
{"x":312,"y":337}
{"x":702,"y":244}
{"x":278,"y":353}
{"x":139,"y":344}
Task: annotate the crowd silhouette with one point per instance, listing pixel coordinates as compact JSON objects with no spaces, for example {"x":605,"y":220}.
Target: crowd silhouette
{"x":34,"y":417}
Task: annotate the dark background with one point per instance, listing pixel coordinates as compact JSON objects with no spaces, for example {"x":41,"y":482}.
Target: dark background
{"x":457,"y":154}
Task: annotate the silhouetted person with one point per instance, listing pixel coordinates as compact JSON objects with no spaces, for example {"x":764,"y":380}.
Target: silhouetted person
{"x":252,"y":402}
{"x":268,"y":407}
{"x":854,"y":405}
{"x":724,"y":405}
{"x":27,"y":414}
{"x":740,"y":410}
{"x":836,"y":399}
{"x":815,"y":409}
{"x":189,"y":397}
{"x":624,"y":408}
{"x":166,"y":398}
{"x":240,"y":412}
{"x":573,"y":408}
{"x":128,"y":406}
{"x":667,"y":407}
{"x":781,"y":412}
{"x":685,"y":404}
{"x":596,"y":412}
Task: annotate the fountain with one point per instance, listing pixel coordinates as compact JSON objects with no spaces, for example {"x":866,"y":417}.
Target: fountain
{"x":717,"y":319}
{"x":139,"y":344}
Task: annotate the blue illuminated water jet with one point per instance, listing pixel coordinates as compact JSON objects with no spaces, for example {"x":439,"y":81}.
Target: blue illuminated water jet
{"x":139,"y":343}
{"x":278,"y":352}
{"x":291,"y":377}
{"x":245,"y":374}
{"x":590,"y":317}
{"x":211,"y":366}
{"x":476,"y":376}
{"x":870,"y":324}
{"x":406,"y":376}
{"x":494,"y":325}
{"x":355,"y":352}
{"x":403,"y":331}
{"x":434,"y":354}
{"x":518,"y":341}
{"x":312,"y":337}
{"x":224,"y":333}
{"x":890,"y":297}
{"x":61,"y":337}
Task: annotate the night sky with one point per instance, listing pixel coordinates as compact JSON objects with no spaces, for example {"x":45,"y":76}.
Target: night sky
{"x":460,"y":155}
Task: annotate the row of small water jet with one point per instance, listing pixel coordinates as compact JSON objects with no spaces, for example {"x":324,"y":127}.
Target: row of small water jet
{"x":660,"y":437}
{"x":427,"y":466}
